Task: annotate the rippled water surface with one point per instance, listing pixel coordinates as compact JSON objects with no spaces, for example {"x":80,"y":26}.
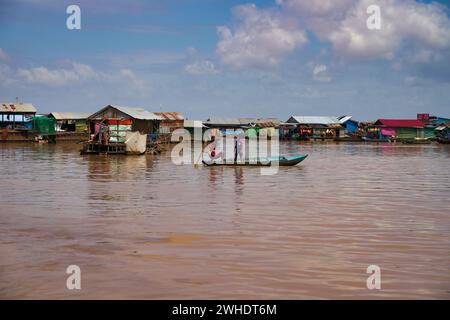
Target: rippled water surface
{"x":141,"y":227}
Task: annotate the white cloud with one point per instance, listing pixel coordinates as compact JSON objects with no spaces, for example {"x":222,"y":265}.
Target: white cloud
{"x":320,"y":73}
{"x":133,"y":81}
{"x":260,"y":39}
{"x":58,"y":77}
{"x":6,"y":75}
{"x":343,"y":23}
{"x":78,"y":73}
{"x":201,"y":67}
{"x":263,"y":37}
{"x":323,"y":8}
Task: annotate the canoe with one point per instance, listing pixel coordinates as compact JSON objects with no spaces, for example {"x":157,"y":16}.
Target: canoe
{"x":282,"y":161}
{"x":443,"y":141}
{"x":417,"y":141}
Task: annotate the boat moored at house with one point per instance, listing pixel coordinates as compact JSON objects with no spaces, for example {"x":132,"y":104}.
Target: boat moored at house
{"x":316,"y":127}
{"x":120,"y":130}
{"x":396,"y":130}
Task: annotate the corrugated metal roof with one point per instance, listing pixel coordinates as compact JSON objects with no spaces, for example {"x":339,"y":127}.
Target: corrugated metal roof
{"x":193,"y":124}
{"x":314,"y":120}
{"x":400,"y":123}
{"x":223,"y":121}
{"x":170,"y":115}
{"x":17,"y":107}
{"x":260,"y":123}
{"x":136,"y":113}
{"x":269,"y":122}
{"x":344,"y":119}
{"x":70,"y":115}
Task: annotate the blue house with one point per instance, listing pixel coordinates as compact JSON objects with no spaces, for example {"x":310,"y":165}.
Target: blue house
{"x":16,"y":115}
{"x":350,"y":125}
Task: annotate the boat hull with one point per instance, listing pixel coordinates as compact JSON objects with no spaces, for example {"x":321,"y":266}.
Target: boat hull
{"x":424,"y":141}
{"x":443,"y":141}
{"x":283,"y":161}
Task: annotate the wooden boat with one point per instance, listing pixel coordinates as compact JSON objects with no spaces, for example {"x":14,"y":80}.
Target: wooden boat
{"x":282,"y":161}
{"x":443,"y":141}
{"x":417,"y":141}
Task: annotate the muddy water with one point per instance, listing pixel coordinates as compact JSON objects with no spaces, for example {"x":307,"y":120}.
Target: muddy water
{"x":141,"y":227}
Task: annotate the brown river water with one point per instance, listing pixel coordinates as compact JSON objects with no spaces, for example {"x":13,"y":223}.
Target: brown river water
{"x":142,"y":227}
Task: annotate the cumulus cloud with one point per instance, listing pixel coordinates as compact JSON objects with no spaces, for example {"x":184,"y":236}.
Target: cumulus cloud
{"x":320,"y":73}
{"x":133,"y":80}
{"x":260,"y":38}
{"x":263,"y":36}
{"x":6,"y":75}
{"x":402,"y":21}
{"x":201,"y":67}
{"x":343,"y":24}
{"x":76,"y":73}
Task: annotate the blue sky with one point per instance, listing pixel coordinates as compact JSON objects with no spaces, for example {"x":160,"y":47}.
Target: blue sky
{"x":229,"y":58}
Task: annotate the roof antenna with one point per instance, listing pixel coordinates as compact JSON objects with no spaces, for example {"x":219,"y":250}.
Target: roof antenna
{"x":17,"y":100}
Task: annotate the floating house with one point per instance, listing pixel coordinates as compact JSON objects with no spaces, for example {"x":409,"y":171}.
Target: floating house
{"x":397,"y":129}
{"x":170,"y":121}
{"x":442,"y":133}
{"x":70,"y":121}
{"x":312,"y":127}
{"x":438,"y":120}
{"x":117,"y":129}
{"x":16,"y":115}
{"x":44,"y":125}
{"x":432,"y":120}
{"x":248,"y":126}
{"x":193,"y":126}
{"x":223,"y":123}
{"x":351,"y":126}
{"x":431,"y":124}
{"x":254,"y":126}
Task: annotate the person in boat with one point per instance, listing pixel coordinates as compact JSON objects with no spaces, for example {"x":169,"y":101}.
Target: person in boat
{"x":238,"y":148}
{"x":213,"y":153}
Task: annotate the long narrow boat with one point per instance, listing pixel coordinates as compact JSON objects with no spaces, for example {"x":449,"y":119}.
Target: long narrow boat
{"x":417,"y":141}
{"x":443,"y":141}
{"x":282,"y":161}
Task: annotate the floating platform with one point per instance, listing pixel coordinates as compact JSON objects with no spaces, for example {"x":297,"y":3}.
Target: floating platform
{"x":8,"y":135}
{"x":97,"y":148}
{"x":61,"y":136}
{"x":348,"y":139}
